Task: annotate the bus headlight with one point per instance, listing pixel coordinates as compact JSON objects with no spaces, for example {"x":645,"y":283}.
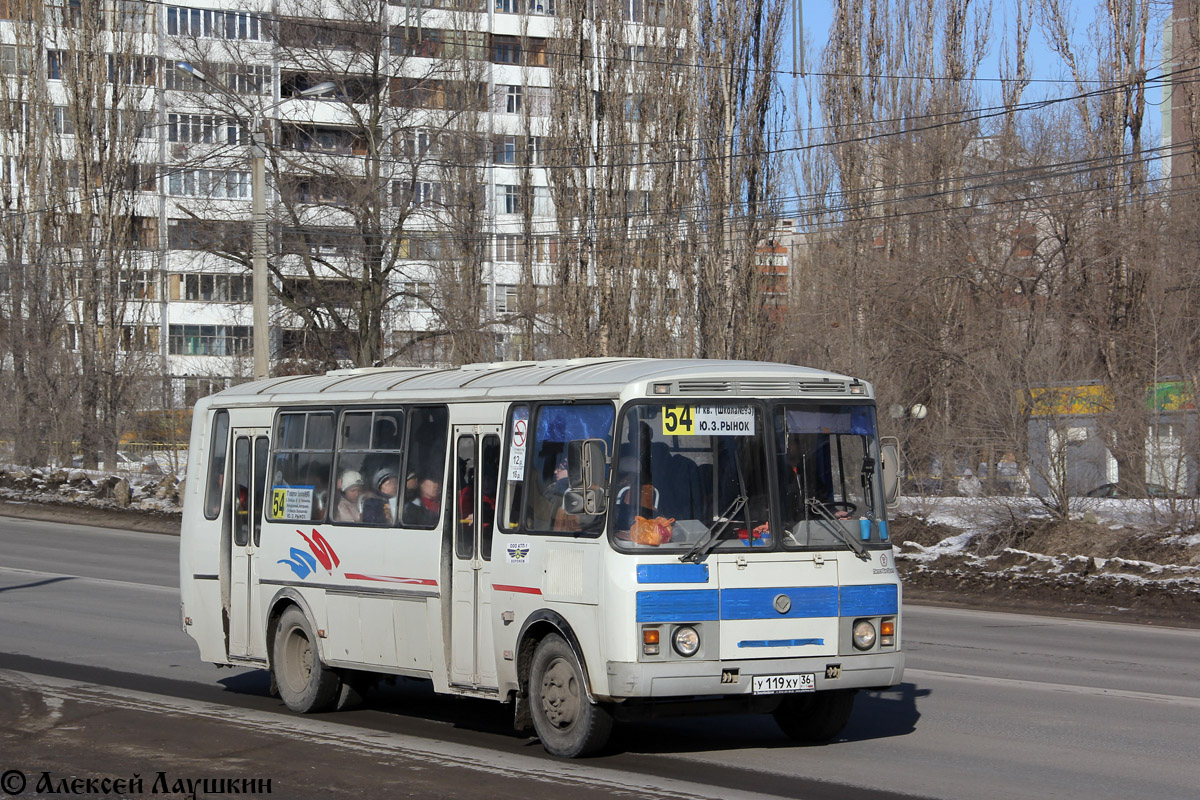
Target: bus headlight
{"x":686,"y":641}
{"x":864,"y":634}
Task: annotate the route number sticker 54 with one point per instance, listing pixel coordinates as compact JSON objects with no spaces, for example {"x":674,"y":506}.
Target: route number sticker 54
{"x":708,"y":421}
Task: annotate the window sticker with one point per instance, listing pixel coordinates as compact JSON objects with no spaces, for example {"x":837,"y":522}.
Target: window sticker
{"x":516,"y":448}
{"x":292,"y":502}
{"x":708,"y":421}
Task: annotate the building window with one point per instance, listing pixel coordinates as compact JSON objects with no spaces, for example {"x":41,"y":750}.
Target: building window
{"x":414,"y":296}
{"x":137,"y":284}
{"x":507,"y":298}
{"x":506,"y":150}
{"x":512,"y":100}
{"x":203,"y":23}
{"x":508,"y":199}
{"x":209,"y":340}
{"x":543,"y":206}
{"x":508,"y":247}
{"x":216,"y":287}
{"x":202,"y":129}
{"x":214,"y":183}
{"x":14,"y":58}
{"x":64,"y":121}
{"x":506,"y":50}
{"x":132,"y":70}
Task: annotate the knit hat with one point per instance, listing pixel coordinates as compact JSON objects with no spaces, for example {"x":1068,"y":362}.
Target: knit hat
{"x":351,"y":479}
{"x":382,"y":477}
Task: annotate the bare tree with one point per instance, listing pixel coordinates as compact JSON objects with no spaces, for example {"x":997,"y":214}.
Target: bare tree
{"x":80,"y":84}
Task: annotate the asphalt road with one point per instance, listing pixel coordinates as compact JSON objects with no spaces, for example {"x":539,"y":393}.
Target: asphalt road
{"x":96,"y":679}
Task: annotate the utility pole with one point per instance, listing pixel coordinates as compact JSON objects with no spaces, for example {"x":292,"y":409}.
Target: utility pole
{"x":258,"y":248}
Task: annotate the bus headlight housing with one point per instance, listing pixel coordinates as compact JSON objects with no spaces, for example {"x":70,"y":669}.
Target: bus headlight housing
{"x":864,"y":634}
{"x":686,"y":641}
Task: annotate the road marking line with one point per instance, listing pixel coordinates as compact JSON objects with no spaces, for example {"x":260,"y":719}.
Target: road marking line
{"x":107,"y":581}
{"x":1093,"y":691}
{"x":380,"y":743}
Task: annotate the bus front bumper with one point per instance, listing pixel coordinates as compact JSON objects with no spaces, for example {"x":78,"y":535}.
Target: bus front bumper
{"x":677,"y":678}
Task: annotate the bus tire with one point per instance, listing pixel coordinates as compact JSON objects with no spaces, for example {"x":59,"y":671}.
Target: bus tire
{"x":815,"y":717}
{"x":305,"y":684}
{"x":567,"y":723}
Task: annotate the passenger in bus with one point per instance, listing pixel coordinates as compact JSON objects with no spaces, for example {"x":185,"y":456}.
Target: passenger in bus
{"x":380,"y":508}
{"x":427,"y":506}
{"x":807,"y":475}
{"x":350,"y":497}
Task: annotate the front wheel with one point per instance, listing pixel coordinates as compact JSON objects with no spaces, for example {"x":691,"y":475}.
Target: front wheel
{"x":568,"y":724}
{"x":305,"y":684}
{"x":815,"y":717}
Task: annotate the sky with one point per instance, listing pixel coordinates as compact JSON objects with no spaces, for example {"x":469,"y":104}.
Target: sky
{"x":1045,"y":66}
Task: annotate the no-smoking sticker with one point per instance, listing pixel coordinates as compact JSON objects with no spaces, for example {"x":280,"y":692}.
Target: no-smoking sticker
{"x":516,"y":450}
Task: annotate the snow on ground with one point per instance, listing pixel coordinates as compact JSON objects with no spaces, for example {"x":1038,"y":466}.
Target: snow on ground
{"x":96,"y":489}
{"x":1168,"y":531}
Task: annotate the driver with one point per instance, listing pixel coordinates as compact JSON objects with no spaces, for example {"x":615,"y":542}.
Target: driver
{"x":808,"y":474}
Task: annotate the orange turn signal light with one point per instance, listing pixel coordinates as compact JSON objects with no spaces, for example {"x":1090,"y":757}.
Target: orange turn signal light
{"x":650,"y":636}
{"x":887,"y":628}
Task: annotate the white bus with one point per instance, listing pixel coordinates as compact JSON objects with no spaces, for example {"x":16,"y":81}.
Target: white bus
{"x":588,"y":540}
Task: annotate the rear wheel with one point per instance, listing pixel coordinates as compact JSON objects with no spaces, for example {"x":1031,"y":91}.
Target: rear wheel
{"x":305,"y":684}
{"x":815,"y":717}
{"x":568,"y":724}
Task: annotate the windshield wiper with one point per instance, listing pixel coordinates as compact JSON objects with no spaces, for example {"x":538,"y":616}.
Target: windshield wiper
{"x":706,"y":545}
{"x":834,"y":524}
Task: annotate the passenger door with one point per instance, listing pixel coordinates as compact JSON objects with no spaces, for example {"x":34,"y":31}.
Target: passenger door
{"x":472,"y":651}
{"x":247,"y":491}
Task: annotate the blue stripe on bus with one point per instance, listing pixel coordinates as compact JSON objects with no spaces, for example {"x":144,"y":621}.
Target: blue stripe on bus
{"x":806,"y":601}
{"x":672,"y":573}
{"x":781,"y":642}
{"x":682,"y":605}
{"x":869,"y":601}
{"x":698,"y":605}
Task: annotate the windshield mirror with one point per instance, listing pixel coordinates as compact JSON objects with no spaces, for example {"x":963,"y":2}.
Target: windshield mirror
{"x":680,"y":468}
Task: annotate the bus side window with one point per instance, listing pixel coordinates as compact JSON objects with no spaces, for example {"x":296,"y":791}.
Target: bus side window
{"x":489,"y":469}
{"x":428,"y":429}
{"x":262,"y":452}
{"x":241,"y":491}
{"x":299,"y":488}
{"x":514,"y":470}
{"x":554,"y":426}
{"x":218,"y":444}
{"x":368,"y":487}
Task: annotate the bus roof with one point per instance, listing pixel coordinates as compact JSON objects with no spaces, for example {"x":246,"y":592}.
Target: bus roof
{"x":580,"y":377}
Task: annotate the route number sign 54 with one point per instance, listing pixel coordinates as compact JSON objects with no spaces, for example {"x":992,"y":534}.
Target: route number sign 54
{"x":708,"y":421}
{"x":679,"y":421}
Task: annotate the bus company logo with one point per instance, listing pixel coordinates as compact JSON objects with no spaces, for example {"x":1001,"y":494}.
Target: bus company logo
{"x":305,"y":563}
{"x":883,"y":559}
{"x":518,"y":552}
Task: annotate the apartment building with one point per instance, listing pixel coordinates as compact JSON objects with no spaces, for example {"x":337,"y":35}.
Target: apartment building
{"x":438,"y":106}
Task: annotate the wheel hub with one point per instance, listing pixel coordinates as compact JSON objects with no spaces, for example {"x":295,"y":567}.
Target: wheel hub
{"x":560,"y":694}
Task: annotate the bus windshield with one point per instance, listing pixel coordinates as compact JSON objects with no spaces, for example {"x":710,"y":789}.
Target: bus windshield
{"x":690,"y":472}
{"x":698,"y":477}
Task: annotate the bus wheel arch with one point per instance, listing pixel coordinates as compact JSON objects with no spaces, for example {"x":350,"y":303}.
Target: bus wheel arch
{"x":556,"y":698}
{"x":303,"y":681}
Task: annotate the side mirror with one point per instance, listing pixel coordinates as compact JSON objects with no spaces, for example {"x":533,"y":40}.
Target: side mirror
{"x":889,"y":454}
{"x":586,"y":462}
